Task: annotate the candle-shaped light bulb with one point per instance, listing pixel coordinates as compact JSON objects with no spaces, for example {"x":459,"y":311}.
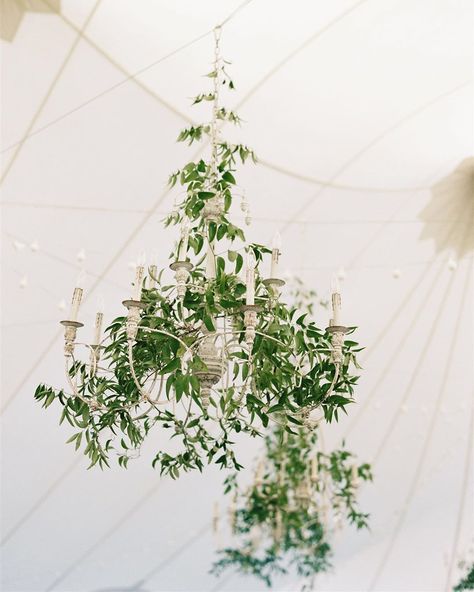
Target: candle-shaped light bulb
{"x":336,"y":300}
{"x":250,"y":279}
{"x":183,"y":245}
{"x":139,"y":275}
{"x":99,"y":317}
{"x":276,"y":252}
{"x":77,"y":296}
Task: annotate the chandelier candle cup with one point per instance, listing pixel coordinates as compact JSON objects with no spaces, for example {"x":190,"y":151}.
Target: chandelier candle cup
{"x":181,"y":269}
{"x":70,"y":332}
{"x":133,"y":318}
{"x":337,"y":342}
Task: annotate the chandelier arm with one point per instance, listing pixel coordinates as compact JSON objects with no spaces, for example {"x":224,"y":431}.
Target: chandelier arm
{"x":157,"y":401}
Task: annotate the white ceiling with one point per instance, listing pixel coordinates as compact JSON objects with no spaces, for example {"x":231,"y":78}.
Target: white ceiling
{"x":356,"y":111}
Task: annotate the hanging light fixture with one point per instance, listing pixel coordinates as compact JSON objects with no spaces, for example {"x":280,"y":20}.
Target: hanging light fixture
{"x":202,"y":351}
{"x":300,"y":497}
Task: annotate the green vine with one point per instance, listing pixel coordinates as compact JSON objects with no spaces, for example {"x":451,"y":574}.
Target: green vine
{"x":467,"y":583}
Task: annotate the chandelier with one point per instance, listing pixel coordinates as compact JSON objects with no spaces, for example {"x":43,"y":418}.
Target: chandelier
{"x":300,"y":497}
{"x":207,"y":347}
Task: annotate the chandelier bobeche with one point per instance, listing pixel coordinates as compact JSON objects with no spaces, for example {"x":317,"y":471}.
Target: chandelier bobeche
{"x":205,"y":353}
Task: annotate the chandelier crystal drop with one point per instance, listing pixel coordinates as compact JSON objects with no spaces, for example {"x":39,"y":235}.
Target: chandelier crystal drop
{"x":207,"y":348}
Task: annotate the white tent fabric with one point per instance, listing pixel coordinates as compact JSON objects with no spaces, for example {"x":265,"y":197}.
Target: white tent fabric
{"x":361,"y":115}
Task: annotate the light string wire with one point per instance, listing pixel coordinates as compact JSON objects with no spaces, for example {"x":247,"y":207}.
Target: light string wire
{"x":431,"y":427}
{"x":273,"y":220}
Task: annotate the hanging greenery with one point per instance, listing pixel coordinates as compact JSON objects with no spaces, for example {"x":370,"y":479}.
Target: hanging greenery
{"x":467,"y":583}
{"x":285,"y":519}
{"x":206,"y":354}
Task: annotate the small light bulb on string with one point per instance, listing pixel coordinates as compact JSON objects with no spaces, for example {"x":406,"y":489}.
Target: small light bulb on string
{"x":81,"y":255}
{"x":34,"y":246}
{"x":452,"y":264}
{"x":404,"y":408}
{"x":341,"y":274}
{"x":18,"y":245}
{"x":396,"y":273}
{"x":62,"y":305}
{"x":23,"y":282}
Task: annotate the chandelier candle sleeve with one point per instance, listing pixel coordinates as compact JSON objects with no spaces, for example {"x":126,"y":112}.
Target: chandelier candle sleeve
{"x":336,"y":300}
{"x":138,"y":284}
{"x":76,"y":303}
{"x":183,"y":248}
{"x":99,"y":317}
{"x":250,"y":280}
{"x":276,"y":252}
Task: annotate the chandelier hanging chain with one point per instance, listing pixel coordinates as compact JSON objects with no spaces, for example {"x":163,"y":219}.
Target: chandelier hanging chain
{"x":215,"y":102}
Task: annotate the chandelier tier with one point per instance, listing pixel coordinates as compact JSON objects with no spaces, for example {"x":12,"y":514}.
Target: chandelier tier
{"x":202,"y":351}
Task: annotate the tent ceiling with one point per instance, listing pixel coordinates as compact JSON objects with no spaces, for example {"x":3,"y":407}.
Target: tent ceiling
{"x":361,"y":115}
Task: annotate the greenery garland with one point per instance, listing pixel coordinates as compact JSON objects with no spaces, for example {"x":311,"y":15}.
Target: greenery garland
{"x":467,"y":583}
{"x":285,"y":373}
{"x":282,"y":520}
